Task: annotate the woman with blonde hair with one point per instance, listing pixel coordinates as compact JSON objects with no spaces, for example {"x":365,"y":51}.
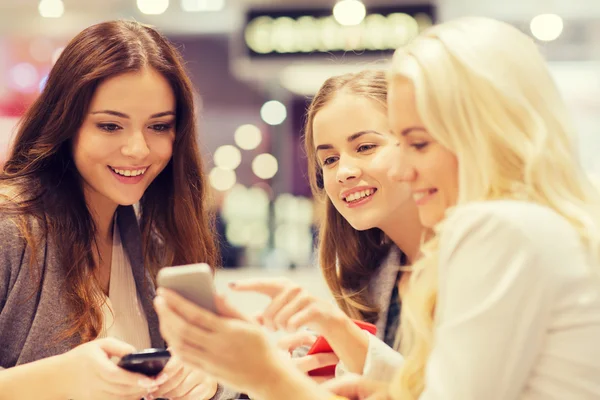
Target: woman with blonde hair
{"x":505,"y":301}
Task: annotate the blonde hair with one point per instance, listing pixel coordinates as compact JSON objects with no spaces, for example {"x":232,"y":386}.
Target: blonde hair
{"x":484,"y":92}
{"x":347,"y":257}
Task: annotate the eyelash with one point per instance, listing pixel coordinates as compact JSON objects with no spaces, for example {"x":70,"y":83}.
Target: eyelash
{"x":362,"y":148}
{"x":112,"y":128}
{"x":328,"y":160}
{"x":164,"y":127}
{"x":419,"y":146}
{"x":365,"y":147}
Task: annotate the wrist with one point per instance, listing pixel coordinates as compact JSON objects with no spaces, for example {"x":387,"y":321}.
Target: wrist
{"x":284,"y":380}
{"x":60,"y":369}
{"x":351,"y":344}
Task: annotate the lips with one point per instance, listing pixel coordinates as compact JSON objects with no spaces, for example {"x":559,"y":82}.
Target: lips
{"x":129,"y":172}
{"x":359,"y":195}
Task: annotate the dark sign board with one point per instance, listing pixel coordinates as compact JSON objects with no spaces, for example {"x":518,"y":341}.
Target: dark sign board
{"x":315,"y":32}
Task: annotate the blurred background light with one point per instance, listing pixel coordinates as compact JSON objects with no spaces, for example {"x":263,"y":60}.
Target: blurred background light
{"x":247,"y":137}
{"x":546,"y":27}
{"x":273,"y":112}
{"x":153,"y":7}
{"x":265,"y":166}
{"x":227,"y":157}
{"x":349,"y":12}
{"x":222,"y":179}
{"x":51,"y":8}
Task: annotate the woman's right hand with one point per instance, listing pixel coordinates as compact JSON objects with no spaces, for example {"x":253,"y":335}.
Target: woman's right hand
{"x":289,"y":343}
{"x":90,"y":374}
{"x":292,"y":306}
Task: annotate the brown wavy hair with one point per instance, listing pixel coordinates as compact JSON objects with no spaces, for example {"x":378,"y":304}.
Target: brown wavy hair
{"x":174,"y":217}
{"x":348,"y":258}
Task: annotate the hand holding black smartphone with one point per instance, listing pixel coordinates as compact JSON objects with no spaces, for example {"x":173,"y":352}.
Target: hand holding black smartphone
{"x":149,"y":362}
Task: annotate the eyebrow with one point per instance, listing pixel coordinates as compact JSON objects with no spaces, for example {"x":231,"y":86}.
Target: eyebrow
{"x":122,"y":115}
{"x":411,"y":129}
{"x":350,"y":139}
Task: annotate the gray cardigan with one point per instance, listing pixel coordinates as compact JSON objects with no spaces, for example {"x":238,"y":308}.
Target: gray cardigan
{"x":31,"y":314}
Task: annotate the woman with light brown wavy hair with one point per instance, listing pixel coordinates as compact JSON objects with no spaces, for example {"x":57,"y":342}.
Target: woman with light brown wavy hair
{"x":114,"y":126}
{"x":369,"y":232}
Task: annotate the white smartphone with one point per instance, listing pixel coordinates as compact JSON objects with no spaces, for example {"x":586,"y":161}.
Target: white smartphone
{"x":194,"y":282}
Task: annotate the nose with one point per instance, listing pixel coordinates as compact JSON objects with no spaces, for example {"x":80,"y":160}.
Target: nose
{"x":136,"y":146}
{"x":347,"y":171}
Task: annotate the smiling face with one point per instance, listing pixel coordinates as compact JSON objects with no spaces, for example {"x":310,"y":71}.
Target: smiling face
{"x":353,"y":143}
{"x":429,"y":168}
{"x":126,"y":139}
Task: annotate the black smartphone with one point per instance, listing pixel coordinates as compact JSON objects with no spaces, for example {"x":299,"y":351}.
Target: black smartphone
{"x":149,"y":362}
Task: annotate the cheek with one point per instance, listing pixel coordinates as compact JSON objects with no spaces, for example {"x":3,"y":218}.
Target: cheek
{"x":162,"y":148}
{"x":386,"y":159}
{"x":88,"y":149}
{"x":329,"y":184}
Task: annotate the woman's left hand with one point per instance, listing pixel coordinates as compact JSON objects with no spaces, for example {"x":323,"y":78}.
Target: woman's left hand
{"x":182,"y":382}
{"x":227,"y":346}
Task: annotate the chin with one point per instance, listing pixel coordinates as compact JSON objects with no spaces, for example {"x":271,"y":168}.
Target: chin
{"x":361,"y":225}
{"x":430,"y":221}
{"x":128,"y":201}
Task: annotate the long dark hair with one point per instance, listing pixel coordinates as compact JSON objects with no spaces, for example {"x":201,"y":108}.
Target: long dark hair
{"x":348,"y":258}
{"x":175,"y":222}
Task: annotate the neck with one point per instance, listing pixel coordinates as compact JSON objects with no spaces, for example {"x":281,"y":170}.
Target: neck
{"x":102,"y":211}
{"x":406,"y":231}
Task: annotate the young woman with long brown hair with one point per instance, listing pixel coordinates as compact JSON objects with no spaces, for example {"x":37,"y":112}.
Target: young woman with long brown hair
{"x":370,"y":230}
{"x":114,"y":126}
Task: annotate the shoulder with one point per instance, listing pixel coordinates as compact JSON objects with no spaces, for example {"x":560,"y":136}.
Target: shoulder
{"x":527,"y":221}
{"x":510,"y":229}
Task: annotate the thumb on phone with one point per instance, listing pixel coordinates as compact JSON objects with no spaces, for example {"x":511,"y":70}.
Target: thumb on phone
{"x":115,"y":348}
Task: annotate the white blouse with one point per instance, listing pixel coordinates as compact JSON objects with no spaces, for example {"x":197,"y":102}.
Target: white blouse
{"x":518,"y":314}
{"x":124,"y":317}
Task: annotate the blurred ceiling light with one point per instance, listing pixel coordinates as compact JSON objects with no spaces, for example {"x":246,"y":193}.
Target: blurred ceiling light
{"x":227,"y":157}
{"x":153,"y":7}
{"x":265,"y":166}
{"x":222,"y":179}
{"x":202,"y":5}
{"x":273,"y":112}
{"x":349,"y":12}
{"x":247,"y":137}
{"x":546,"y":27}
{"x":51,"y":8}
{"x":24,"y":77}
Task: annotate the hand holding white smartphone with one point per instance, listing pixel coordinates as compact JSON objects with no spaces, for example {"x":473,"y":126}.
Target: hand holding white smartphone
{"x":193,"y":282}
